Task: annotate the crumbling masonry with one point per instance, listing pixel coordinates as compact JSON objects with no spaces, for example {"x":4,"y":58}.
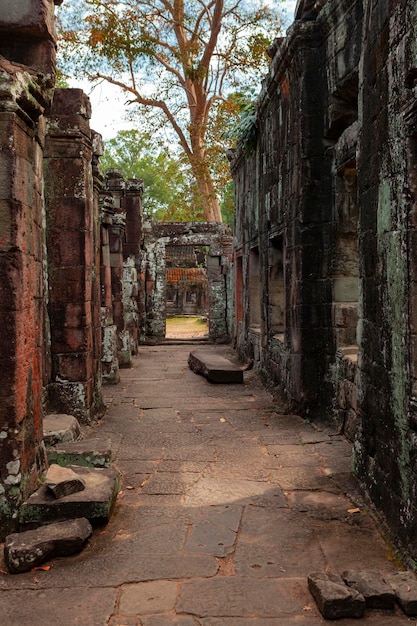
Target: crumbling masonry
{"x":325,"y":242}
{"x":77,"y":295}
{"x":324,"y":253}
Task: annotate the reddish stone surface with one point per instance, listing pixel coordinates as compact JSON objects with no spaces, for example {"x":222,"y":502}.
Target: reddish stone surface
{"x":73,"y":251}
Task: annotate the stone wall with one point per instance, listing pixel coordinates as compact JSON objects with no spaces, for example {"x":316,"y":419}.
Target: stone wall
{"x":324,"y":250}
{"x":69,"y":254}
{"x":73,"y":245}
{"x":27,"y":46}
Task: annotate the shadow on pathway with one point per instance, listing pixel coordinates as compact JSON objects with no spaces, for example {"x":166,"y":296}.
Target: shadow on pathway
{"x":225,"y":508}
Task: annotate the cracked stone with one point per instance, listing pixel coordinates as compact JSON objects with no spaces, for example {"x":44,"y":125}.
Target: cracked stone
{"x":334,"y":598}
{"x":371,"y":584}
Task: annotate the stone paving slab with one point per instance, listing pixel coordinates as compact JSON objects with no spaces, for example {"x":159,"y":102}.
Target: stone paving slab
{"x":228,"y":596}
{"x":49,"y":606}
{"x":225,"y":506}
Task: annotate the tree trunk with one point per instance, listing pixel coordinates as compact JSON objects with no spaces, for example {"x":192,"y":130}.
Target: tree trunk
{"x":205,"y":185}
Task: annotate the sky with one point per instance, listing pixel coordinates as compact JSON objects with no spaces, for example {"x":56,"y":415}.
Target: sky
{"x":107,"y":102}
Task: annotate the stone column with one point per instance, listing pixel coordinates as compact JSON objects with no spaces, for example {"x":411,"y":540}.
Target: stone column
{"x":125,"y":236}
{"x":132,"y":205}
{"x":98,"y":178}
{"x":109,"y":360}
{"x":71,"y":226}
{"x":27,"y":62}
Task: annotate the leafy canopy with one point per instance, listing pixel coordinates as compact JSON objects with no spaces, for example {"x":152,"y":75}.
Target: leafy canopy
{"x":177,"y":61}
{"x":170,"y":192}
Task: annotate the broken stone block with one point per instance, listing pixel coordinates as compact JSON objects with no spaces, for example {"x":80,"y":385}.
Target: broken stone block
{"x":23,"y":551}
{"x":377,"y":593}
{"x":404,"y":585}
{"x":216,"y":368}
{"x":334,"y":598}
{"x":88,"y":453}
{"x":59,"y":427}
{"x":63,"y":481}
{"x":95,"y":502}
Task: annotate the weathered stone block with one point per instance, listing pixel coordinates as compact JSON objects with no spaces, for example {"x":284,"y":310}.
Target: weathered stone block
{"x":63,"y":481}
{"x":58,"y":427}
{"x":216,"y":368}
{"x":88,"y":453}
{"x":377,"y":593}
{"x":23,"y":551}
{"x":404,"y":585}
{"x":95,"y":502}
{"x":334,"y":598}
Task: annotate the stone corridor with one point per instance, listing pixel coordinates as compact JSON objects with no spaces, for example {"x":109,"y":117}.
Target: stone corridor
{"x":225,"y":507}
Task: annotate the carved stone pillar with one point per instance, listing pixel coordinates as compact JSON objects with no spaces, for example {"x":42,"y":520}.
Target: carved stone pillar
{"x":71,"y":236}
{"x":27,"y":70}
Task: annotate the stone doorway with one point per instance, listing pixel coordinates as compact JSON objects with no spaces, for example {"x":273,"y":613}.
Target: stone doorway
{"x":186,"y":272}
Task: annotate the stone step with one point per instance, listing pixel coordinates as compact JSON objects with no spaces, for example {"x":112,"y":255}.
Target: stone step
{"x":59,"y":428}
{"x":23,"y":551}
{"x":95,"y":502}
{"x":85,"y":453}
{"x":216,"y":368}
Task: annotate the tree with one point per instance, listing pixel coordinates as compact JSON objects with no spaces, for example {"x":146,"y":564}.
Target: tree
{"x":170,"y":192}
{"x":176,"y":58}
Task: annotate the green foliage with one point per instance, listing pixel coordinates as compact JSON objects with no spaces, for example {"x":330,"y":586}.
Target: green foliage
{"x":170,"y":193}
{"x":242,"y":132}
{"x":183,"y":59}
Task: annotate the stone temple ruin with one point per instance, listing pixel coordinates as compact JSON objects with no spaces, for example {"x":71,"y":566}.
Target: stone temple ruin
{"x":317,"y":287}
{"x":324,"y":253}
{"x":83,"y":275}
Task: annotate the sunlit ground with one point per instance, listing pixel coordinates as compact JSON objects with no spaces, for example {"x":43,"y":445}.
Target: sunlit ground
{"x":186,"y":327}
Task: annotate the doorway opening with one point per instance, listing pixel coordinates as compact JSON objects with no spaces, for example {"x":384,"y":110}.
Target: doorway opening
{"x":187,"y":301}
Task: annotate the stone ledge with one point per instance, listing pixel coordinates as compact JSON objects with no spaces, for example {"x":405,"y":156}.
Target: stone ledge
{"x":371,"y":584}
{"x":404,"y":585}
{"x":85,"y":453}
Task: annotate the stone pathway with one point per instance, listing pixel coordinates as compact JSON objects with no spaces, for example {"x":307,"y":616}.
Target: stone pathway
{"x":225,"y":508}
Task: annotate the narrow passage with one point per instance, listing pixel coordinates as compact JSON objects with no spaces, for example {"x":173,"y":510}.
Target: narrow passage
{"x":225,"y":508}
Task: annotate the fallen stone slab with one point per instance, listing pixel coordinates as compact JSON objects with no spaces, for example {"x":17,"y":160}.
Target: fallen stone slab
{"x":87,"y":453}
{"x":404,"y":585}
{"x":23,"y":551}
{"x":335,"y":600}
{"x":95,"y":502}
{"x":59,"y":427}
{"x":63,"y":481}
{"x":371,"y":584}
{"x":216,"y":368}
